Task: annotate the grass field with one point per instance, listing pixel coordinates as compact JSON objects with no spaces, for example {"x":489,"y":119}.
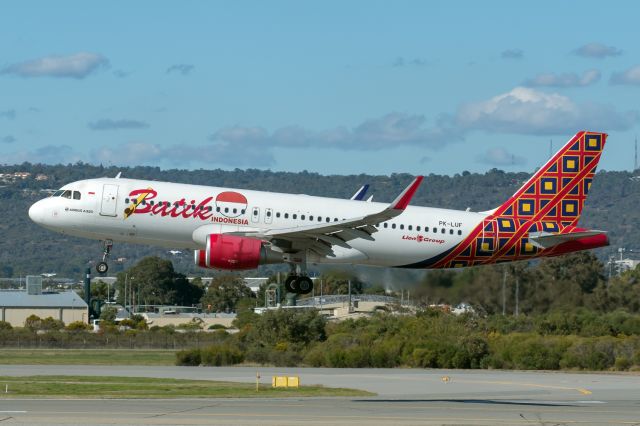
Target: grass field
{"x":88,"y":356}
{"x":139,"y":387}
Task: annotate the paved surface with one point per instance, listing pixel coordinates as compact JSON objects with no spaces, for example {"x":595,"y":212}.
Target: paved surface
{"x":404,"y":397}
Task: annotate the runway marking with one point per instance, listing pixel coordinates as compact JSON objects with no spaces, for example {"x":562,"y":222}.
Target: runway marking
{"x":583,"y":391}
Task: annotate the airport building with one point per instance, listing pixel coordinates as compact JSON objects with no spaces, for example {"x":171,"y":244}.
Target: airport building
{"x":17,"y":305}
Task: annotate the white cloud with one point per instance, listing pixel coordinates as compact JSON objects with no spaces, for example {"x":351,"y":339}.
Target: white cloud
{"x":564,"y":80}
{"x":384,"y":132}
{"x":181,"y":156}
{"x":626,"y":77}
{"x":9,"y":114}
{"x":76,"y":66}
{"x":183,"y":69}
{"x":528,"y":111}
{"x":501,"y":157}
{"x":402,"y":62}
{"x":512,"y":54}
{"x":49,"y":154}
{"x":597,"y":50}
{"x":108,"y":124}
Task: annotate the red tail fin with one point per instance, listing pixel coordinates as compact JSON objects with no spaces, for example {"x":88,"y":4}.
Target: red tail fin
{"x":556,"y":193}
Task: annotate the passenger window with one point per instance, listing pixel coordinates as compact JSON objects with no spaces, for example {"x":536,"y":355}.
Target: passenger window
{"x":278,"y":214}
{"x":335,"y":219}
{"x":328,"y":219}
{"x":418,"y":228}
{"x":242,"y":211}
{"x":295,"y":216}
{"x":235,"y":211}
{"x":286,"y":215}
{"x":210,"y":208}
{"x":226,"y":209}
{"x":443,"y":231}
{"x":319,"y":218}
{"x":393,"y":226}
{"x":302,"y":217}
{"x":459,"y":232}
{"x":401,"y":226}
{"x":385,"y":224}
{"x":310,"y":217}
{"x":126,"y":201}
{"x":451,"y":231}
{"x":410,"y":227}
{"x":435,"y":231}
{"x":268,"y":213}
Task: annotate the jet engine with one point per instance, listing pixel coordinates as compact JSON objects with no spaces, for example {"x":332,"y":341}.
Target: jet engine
{"x":234,"y":253}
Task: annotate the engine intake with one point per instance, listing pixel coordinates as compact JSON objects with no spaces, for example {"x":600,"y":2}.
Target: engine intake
{"x":231,"y":252}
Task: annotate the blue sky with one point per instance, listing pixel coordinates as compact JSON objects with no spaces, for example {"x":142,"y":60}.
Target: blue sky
{"x":332,"y":87}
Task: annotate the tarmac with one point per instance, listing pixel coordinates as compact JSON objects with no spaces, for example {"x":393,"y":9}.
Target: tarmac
{"x":404,"y":397}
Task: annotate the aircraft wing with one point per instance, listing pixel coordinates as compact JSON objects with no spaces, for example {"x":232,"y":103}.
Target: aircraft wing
{"x":322,"y":236}
{"x":546,"y":240}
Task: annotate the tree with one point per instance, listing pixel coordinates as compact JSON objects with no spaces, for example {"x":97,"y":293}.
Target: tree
{"x":224,"y":293}
{"x":153,"y":281}
{"x":337,"y":282}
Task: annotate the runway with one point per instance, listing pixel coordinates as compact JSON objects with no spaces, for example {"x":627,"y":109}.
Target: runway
{"x":405,"y":396}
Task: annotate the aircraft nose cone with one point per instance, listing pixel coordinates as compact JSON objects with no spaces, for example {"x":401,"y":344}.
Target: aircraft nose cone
{"x":36,"y":212}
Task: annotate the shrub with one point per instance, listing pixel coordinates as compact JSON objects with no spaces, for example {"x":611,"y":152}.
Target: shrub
{"x":622,"y":363}
{"x":218,"y":355}
{"x":78,"y":326}
{"x":189,"y":357}
{"x":4,"y":325}
{"x":593,"y":354}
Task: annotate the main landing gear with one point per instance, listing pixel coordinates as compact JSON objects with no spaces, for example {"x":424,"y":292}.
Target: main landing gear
{"x":103,"y":267}
{"x":298,"y":284}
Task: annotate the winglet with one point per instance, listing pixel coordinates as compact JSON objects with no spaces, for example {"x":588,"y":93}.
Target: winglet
{"x":403,"y":200}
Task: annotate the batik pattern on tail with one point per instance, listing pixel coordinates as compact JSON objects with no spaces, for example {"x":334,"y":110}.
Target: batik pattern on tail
{"x":550,"y":201}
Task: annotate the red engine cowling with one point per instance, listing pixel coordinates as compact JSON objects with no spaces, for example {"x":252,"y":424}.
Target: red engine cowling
{"x":230,"y":252}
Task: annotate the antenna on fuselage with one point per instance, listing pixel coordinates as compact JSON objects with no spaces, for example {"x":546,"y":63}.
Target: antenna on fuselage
{"x":118,"y":175}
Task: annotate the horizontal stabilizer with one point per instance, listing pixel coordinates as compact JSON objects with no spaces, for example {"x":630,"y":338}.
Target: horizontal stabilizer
{"x":544,"y":240}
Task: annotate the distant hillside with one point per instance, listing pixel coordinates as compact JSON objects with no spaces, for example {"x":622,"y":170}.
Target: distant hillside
{"x":27,"y":248}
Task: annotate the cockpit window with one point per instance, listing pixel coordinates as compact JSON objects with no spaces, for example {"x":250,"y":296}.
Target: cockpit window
{"x":66,"y":194}
{"x":57,"y":193}
{"x":76,"y":195}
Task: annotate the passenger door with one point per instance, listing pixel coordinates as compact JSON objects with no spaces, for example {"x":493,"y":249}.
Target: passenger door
{"x":109,"y":204}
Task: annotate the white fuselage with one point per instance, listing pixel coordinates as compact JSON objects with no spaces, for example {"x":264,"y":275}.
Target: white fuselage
{"x":417,"y":234}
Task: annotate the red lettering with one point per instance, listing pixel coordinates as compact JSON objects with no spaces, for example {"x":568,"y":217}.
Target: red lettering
{"x":147,"y":194}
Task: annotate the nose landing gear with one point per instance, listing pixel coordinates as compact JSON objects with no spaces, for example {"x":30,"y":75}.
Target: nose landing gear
{"x":103,"y":267}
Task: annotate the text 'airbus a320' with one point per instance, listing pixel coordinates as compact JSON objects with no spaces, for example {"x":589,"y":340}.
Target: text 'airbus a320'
{"x":237,"y":229}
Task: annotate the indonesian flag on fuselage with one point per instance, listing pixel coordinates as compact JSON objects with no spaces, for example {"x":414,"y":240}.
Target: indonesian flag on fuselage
{"x":231,"y":204}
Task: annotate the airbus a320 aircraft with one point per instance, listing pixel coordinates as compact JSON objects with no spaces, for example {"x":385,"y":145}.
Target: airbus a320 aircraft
{"x":237,"y":229}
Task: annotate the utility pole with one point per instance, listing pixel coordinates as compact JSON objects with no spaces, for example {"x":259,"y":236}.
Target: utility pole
{"x":504,"y":291}
{"x":635,"y":157}
{"x":517,"y":296}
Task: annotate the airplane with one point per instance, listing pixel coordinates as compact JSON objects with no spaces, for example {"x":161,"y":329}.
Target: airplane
{"x":237,"y":229}
{"x":360,"y":193}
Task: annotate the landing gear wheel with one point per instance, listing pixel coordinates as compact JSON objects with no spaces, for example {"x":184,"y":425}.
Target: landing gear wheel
{"x":102,"y":267}
{"x":305,"y":285}
{"x":291,"y":284}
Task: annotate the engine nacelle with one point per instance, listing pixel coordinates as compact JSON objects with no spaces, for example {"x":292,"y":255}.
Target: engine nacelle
{"x":234,"y":253}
